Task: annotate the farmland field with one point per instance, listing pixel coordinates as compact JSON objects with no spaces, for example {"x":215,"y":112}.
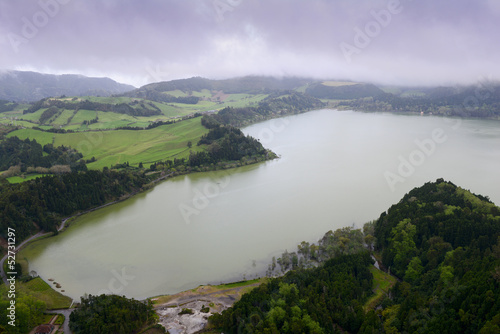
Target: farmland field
{"x":338,"y":83}
{"x":63,"y":118}
{"x":119,"y":146}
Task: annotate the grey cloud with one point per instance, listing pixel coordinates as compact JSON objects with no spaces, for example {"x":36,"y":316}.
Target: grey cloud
{"x":426,"y":42}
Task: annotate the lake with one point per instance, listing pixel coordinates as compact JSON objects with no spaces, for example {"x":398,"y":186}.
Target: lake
{"x":336,"y":169}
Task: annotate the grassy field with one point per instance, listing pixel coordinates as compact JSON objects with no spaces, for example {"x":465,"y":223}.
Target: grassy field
{"x":34,"y":117}
{"x":63,"y":118}
{"x":203,"y":93}
{"x":242,"y":100}
{"x":68,"y":120}
{"x":110,"y":99}
{"x":42,"y":291}
{"x":84,"y":115}
{"x":238,"y":288}
{"x":119,"y":146}
{"x":176,"y":93}
{"x":14,"y":122}
{"x":17,"y":179}
{"x":338,"y":83}
{"x":382,"y":282}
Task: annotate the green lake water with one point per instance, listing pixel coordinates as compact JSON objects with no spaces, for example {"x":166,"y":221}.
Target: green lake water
{"x":337,"y":168}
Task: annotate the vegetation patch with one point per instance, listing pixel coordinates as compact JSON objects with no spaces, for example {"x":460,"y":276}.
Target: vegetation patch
{"x":39,"y":289}
{"x":186,"y":311}
{"x":338,"y":83}
{"x":111,"y":314}
{"x":382,"y":283}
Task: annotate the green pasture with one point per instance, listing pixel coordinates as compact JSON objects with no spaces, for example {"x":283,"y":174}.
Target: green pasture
{"x":43,"y":291}
{"x":84,"y":115}
{"x":203,"y":93}
{"x":18,"y":179}
{"x":63,"y":118}
{"x":176,"y":93}
{"x":382,"y":282}
{"x":338,"y":83}
{"x":14,"y":122}
{"x":119,"y":146}
{"x":34,"y":117}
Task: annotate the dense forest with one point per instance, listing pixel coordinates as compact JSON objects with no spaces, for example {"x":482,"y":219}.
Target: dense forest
{"x":243,"y":85}
{"x":43,"y":202}
{"x":227,"y":143}
{"x":108,"y":314}
{"x":323,"y":299}
{"x":7,"y":106}
{"x":28,"y":153}
{"x":442,"y":244}
{"x":55,"y":106}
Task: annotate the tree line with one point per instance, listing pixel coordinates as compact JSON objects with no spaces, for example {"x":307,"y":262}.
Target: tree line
{"x":111,"y":314}
{"x":40,"y":204}
{"x":135,"y":108}
{"x":480,"y":103}
{"x":7,"y":106}
{"x":29,"y":153}
{"x":277,"y":104}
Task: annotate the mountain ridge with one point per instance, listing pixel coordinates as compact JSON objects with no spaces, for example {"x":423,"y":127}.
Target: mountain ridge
{"x":27,"y":86}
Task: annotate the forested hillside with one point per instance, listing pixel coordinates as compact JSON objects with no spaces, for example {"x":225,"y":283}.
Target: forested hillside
{"x":324,"y":299}
{"x":347,"y":91}
{"x":111,"y":314}
{"x":441,"y":242}
{"x":444,"y":243}
{"x":42,"y":203}
{"x":481,"y":101}
{"x":248,"y":84}
{"x":30,"y":154}
{"x":135,"y":108}
{"x":277,"y":104}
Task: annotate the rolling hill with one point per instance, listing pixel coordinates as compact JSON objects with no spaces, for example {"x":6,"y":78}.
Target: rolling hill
{"x":23,"y":86}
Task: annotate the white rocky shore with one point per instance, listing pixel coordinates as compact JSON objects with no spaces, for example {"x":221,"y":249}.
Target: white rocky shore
{"x":186,"y":323}
{"x":217,"y":299}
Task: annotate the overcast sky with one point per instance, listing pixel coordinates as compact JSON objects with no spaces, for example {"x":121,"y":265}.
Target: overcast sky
{"x":419,"y":42}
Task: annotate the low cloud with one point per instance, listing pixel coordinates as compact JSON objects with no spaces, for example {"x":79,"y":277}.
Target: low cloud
{"x":404,"y":42}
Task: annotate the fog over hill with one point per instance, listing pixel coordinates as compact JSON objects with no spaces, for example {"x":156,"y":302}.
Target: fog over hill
{"x":23,"y":86}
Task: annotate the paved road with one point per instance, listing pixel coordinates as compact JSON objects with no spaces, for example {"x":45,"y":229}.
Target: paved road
{"x":66,"y":313}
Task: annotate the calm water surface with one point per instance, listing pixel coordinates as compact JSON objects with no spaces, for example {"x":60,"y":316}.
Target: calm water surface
{"x":336,"y":169}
